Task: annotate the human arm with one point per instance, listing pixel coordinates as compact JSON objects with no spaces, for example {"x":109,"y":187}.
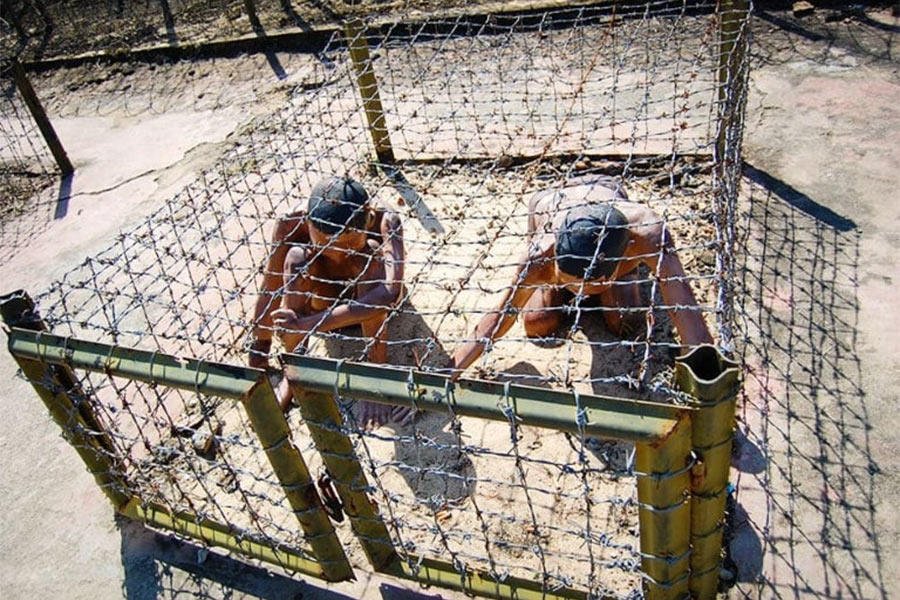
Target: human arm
{"x":657,"y":249}
{"x":535,"y":269}
{"x":287,"y":230}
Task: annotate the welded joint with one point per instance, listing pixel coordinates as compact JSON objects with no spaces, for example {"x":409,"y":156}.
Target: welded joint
{"x":278,"y":444}
{"x":306,"y":511}
{"x":699,"y":574}
{"x":717,"y":444}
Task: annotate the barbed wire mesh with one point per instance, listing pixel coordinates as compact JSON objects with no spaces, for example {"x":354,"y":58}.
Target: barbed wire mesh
{"x":48,"y":28}
{"x":186,"y":452}
{"x":27,"y":169}
{"x":482,"y":114}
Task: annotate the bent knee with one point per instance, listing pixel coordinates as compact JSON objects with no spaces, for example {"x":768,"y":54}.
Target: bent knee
{"x":541,"y":323}
{"x":295,"y":262}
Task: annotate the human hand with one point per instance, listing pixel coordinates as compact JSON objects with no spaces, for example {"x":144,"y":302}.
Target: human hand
{"x":287,"y":321}
{"x":373,"y":415}
{"x":258,"y":355}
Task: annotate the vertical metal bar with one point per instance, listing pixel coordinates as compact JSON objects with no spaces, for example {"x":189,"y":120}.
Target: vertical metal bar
{"x":355,"y":32}
{"x":324,"y":421}
{"x":40,"y":117}
{"x":732,"y":43}
{"x":58,"y":387}
{"x":274,"y":434}
{"x":713,"y":381}
{"x":663,"y":482}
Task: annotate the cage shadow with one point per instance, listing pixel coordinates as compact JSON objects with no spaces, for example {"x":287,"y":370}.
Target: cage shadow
{"x":164,"y":567}
{"x":815,"y":37}
{"x":30,"y":209}
{"x":798,"y":199}
{"x":804,"y":407}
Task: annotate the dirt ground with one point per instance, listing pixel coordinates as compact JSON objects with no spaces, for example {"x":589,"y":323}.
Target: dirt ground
{"x":815,"y":481}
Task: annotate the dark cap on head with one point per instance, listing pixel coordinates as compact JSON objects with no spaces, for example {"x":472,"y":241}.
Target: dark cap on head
{"x":591,"y":240}
{"x":337,"y":204}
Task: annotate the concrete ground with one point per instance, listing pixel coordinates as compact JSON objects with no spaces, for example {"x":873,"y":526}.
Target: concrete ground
{"x":821,"y":229}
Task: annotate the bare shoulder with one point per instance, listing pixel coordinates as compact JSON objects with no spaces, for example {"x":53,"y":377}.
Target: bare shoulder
{"x":387,"y":220}
{"x":646,"y":226}
{"x":292,"y":227}
{"x":539,"y":257}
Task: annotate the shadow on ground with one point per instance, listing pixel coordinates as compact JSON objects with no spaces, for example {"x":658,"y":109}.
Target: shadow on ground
{"x":29,"y":209}
{"x":162,"y":567}
{"x":813,"y":505}
{"x":866,"y":31}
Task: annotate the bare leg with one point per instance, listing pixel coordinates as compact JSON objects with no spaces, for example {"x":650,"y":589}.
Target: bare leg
{"x":624,"y":323}
{"x":372,"y":414}
{"x":543,"y":314}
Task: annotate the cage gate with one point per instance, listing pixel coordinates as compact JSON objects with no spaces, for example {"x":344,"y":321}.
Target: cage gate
{"x":668,"y":484}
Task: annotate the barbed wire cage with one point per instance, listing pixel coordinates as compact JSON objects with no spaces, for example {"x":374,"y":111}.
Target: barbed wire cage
{"x":568,"y":472}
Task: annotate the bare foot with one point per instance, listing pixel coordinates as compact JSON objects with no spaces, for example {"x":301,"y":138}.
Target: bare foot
{"x":284,"y":395}
{"x":373,"y":415}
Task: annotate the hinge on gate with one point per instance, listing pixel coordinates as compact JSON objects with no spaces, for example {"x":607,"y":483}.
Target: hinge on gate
{"x":330,"y":500}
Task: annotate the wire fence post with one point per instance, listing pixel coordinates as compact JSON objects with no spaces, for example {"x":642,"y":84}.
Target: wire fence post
{"x":68,"y":404}
{"x":663,"y":482}
{"x":40,"y":117}
{"x":274,"y":435}
{"x":713,"y":381}
{"x":355,"y":32}
{"x":732,"y":45}
{"x":323,"y":419}
{"x":732,"y":75}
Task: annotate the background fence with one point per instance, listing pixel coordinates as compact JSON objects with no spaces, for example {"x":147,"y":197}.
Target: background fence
{"x":52,"y":28}
{"x":481,"y":114}
{"x":31,"y":160}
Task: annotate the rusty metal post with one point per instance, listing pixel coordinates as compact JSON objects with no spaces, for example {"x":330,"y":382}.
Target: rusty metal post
{"x":355,"y":32}
{"x":663,"y":481}
{"x":323,"y":419}
{"x":713,"y":381}
{"x":274,"y":435}
{"x":68,"y":404}
{"x":40,"y":117}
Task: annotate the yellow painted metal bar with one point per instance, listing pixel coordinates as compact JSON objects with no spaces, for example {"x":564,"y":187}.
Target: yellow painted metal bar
{"x":222,"y":536}
{"x":663,"y":480}
{"x":69,"y":406}
{"x":355,"y":31}
{"x":617,"y":418}
{"x":274,"y":434}
{"x":250,"y":385}
{"x":713,"y":381}
{"x":477,"y":583}
{"x":217,"y":379}
{"x":324,"y":421}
